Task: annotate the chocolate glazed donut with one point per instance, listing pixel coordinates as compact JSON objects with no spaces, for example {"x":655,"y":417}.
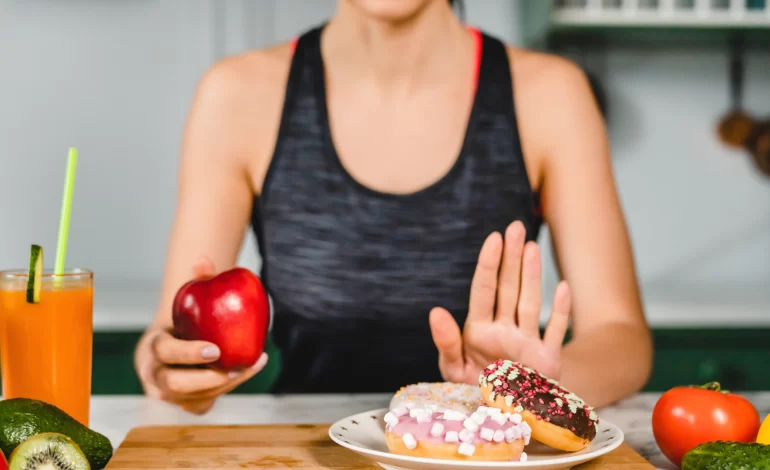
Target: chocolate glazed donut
{"x":558,"y":418}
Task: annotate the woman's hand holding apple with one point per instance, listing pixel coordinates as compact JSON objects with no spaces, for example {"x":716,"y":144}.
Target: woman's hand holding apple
{"x":220,"y":328}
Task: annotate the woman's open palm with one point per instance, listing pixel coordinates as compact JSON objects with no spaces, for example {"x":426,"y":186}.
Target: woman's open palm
{"x":503,"y":314}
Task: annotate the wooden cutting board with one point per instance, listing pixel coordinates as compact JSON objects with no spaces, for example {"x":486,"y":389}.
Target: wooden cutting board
{"x":304,"y":446}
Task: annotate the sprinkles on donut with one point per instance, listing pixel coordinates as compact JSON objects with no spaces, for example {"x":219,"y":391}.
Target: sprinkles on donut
{"x":446,"y":395}
{"x":558,"y":418}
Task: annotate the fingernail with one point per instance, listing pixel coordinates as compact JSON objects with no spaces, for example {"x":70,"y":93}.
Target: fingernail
{"x":232,"y":375}
{"x":210,"y":352}
{"x":259,"y":362}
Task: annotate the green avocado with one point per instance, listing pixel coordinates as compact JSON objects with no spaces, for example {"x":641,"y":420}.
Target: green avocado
{"x":22,"y":418}
{"x":723,"y":455}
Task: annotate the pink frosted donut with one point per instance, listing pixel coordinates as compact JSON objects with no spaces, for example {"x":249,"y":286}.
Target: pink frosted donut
{"x":439,"y":430}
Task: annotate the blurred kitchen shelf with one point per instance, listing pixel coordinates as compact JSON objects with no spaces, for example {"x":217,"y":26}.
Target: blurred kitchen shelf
{"x":599,"y":38}
{"x":597,"y":23}
{"x":724,"y":14}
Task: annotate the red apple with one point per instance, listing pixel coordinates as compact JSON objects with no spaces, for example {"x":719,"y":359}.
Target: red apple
{"x":3,"y":461}
{"x":231,"y":310}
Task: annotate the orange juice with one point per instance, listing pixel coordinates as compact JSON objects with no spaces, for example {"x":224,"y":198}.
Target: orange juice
{"x":45,"y":348}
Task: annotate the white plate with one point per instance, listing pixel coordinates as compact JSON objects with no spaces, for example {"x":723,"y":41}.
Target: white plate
{"x":364,"y":433}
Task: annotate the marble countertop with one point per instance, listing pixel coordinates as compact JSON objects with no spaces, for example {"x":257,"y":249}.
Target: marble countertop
{"x":114,"y":416}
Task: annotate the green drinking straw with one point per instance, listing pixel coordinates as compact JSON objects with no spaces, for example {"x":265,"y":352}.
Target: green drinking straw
{"x":66,"y":209}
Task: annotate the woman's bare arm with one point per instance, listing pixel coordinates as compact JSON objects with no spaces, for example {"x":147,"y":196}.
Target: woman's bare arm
{"x":214,"y":196}
{"x":227,"y":129}
{"x":229,"y":134}
{"x":610,"y":355}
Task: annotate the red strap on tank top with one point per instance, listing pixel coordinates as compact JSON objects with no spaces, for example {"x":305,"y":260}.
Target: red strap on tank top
{"x":479,"y":46}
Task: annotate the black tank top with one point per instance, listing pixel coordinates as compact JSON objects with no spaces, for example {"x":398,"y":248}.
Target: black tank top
{"x":353,"y":273}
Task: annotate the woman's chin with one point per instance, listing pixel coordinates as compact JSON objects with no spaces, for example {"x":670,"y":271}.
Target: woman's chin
{"x":392,"y":11}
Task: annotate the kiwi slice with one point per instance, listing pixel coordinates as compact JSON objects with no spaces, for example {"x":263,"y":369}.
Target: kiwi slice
{"x":35,"y":277}
{"x":48,"y":451}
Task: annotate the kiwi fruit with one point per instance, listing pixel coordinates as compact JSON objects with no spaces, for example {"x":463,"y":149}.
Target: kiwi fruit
{"x":48,"y":451}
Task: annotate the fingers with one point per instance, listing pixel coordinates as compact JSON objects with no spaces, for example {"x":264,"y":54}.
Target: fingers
{"x":204,"y":267}
{"x":530,"y":301}
{"x":484,"y":284}
{"x":510,"y":272}
{"x":559,"y":321}
{"x":181,"y":382}
{"x":185,"y":386}
{"x":449,"y":342}
{"x":145,"y":363}
{"x":193,"y":389}
{"x":173,"y":351}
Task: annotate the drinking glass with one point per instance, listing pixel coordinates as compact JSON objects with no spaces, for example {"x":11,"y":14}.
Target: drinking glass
{"x":46,"y":348}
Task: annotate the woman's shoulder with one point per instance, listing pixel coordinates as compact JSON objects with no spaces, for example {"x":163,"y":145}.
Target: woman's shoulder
{"x":552,"y":95}
{"x":239,"y":100}
{"x":253,"y":75}
{"x":544,"y":73}
{"x":550,"y":89}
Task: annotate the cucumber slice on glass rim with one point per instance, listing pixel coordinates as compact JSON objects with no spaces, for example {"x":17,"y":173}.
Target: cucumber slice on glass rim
{"x":35,"y":277}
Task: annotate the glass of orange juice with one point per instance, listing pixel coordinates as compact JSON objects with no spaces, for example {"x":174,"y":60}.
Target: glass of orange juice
{"x":46,"y":347}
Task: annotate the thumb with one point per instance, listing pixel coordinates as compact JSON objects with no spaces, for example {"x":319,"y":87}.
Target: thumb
{"x":449,"y":342}
{"x":204,"y":267}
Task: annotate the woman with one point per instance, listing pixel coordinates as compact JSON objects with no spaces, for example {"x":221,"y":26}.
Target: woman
{"x":395,"y":165}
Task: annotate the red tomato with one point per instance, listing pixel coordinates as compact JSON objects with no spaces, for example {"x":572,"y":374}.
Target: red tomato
{"x":685,"y":417}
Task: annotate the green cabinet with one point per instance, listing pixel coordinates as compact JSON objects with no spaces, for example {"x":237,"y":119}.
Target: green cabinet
{"x":738,"y":358}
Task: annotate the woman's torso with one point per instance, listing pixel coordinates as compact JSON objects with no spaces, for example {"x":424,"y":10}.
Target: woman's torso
{"x":354,"y":261}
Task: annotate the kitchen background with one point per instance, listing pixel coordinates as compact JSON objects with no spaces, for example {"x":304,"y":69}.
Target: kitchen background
{"x":115,"y":79}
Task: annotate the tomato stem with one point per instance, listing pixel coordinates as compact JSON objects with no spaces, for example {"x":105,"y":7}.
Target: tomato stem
{"x":712,"y":386}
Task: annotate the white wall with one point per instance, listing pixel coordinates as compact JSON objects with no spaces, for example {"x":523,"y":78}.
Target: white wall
{"x":115,"y":79}
{"x":699,"y":212}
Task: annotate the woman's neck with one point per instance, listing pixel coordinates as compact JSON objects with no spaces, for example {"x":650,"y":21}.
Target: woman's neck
{"x":421,"y":49}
